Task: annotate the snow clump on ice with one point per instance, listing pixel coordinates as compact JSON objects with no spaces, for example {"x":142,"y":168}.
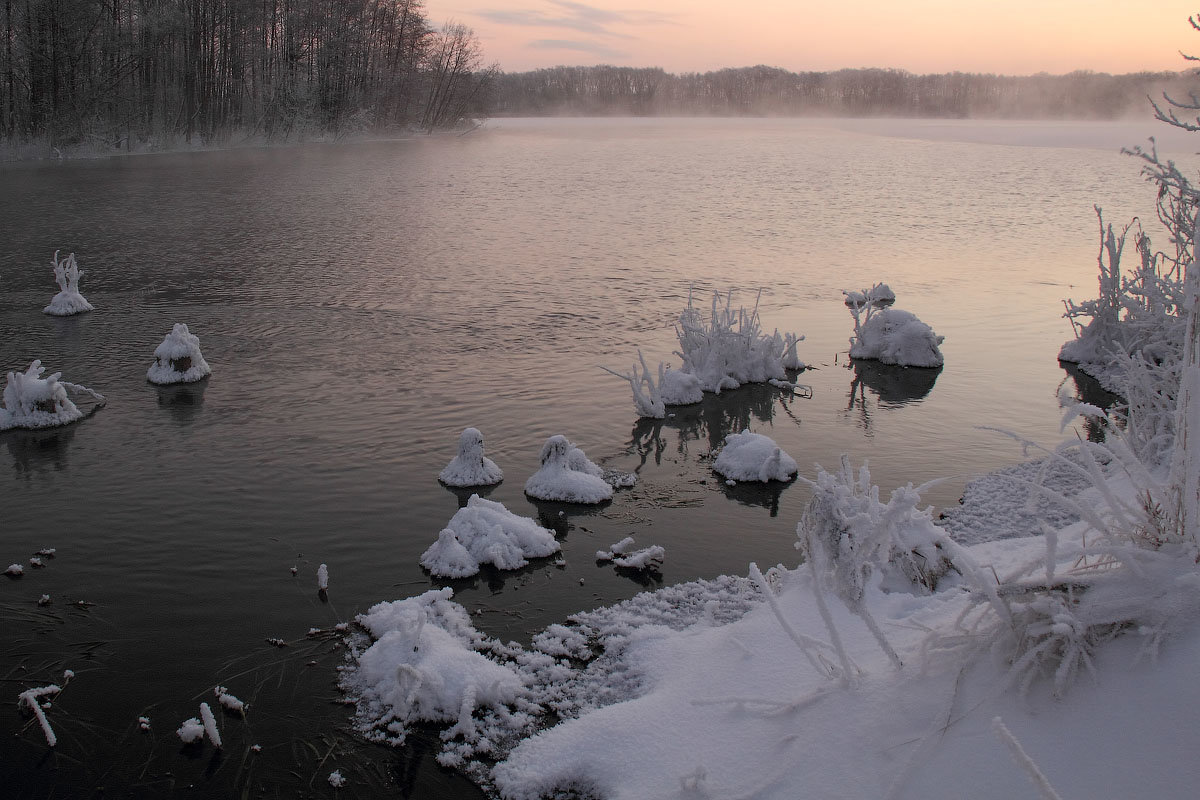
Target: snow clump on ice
{"x":470,"y":467}
{"x":567,"y":475}
{"x":31,"y":401}
{"x":192,"y":730}
{"x":178,"y":358}
{"x":68,"y":301}
{"x":423,"y":666}
{"x":890,"y":335}
{"x":624,"y":554}
{"x":485,"y":532}
{"x":750,"y":456}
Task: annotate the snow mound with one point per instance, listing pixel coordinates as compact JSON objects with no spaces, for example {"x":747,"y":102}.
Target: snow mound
{"x":423,"y":666}
{"x":729,"y":348}
{"x":750,"y":456}
{"x":650,"y":398}
{"x":679,"y":388}
{"x":178,"y":358}
{"x":894,"y":336}
{"x":470,"y":467}
{"x":624,"y":554}
{"x":68,"y":301}
{"x":567,"y":475}
{"x":485,"y":532}
{"x":31,"y":401}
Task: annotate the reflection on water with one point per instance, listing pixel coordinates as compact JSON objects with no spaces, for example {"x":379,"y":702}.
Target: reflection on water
{"x":183,"y":399}
{"x":752,"y":493}
{"x":464,"y":493}
{"x":34,"y":450}
{"x":1088,"y":390}
{"x":892,"y":385}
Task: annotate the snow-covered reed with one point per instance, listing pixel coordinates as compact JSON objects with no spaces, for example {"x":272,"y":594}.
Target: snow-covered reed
{"x":210,"y":725}
{"x":68,"y":301}
{"x":31,"y":401}
{"x":32,"y":699}
{"x":178,"y":358}
{"x":470,"y":467}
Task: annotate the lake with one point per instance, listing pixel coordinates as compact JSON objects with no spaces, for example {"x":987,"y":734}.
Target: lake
{"x":362,"y":303}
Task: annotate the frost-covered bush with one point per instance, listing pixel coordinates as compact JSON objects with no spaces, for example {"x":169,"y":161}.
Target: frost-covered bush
{"x":31,"y":401}
{"x":178,"y":358}
{"x":567,"y":475}
{"x":890,"y":335}
{"x":485,"y":532}
{"x":750,"y":456}
{"x":68,"y":301}
{"x":470,"y":467}
{"x":673,"y":388}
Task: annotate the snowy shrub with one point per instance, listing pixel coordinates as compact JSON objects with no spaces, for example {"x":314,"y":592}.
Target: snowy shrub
{"x":567,"y":477}
{"x":470,"y":467}
{"x":888,"y":334}
{"x":750,"y":456}
{"x":178,"y":358}
{"x":485,"y":532}
{"x":68,"y":301}
{"x":31,"y":401}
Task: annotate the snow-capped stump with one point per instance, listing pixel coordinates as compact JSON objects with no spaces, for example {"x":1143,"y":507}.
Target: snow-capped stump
{"x":890,"y":335}
{"x":68,"y":301}
{"x":625,"y":554}
{"x":567,"y":475}
{"x":750,"y":456}
{"x":31,"y":401}
{"x":470,"y":467}
{"x":14,"y":571}
{"x":178,"y":358}
{"x":485,"y":532}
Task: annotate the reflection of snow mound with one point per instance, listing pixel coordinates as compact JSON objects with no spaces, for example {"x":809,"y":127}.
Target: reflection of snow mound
{"x":753,"y":457}
{"x":31,"y":401}
{"x":178,"y":358}
{"x":485,"y":532}
{"x":560,"y":476}
{"x":894,"y":336}
{"x":423,"y":666}
{"x":471,"y":467}
{"x":68,"y":301}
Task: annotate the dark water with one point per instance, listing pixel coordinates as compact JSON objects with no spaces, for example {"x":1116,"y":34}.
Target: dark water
{"x":361,"y":304}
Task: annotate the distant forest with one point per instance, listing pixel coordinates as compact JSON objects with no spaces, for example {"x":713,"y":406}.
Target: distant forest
{"x":125,"y":73}
{"x":849,"y":92}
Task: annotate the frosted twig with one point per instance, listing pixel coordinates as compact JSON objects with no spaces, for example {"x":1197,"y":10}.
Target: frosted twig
{"x":802,"y":641}
{"x":210,"y":725}
{"x":30,"y":698}
{"x":1024,"y":761}
{"x":769,"y":706}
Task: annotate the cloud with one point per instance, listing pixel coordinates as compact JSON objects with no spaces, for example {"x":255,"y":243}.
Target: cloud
{"x":577,"y":17}
{"x":594,"y":48}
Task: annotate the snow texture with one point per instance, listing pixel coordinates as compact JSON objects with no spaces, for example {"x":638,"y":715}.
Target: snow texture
{"x":566,"y":475}
{"x":68,"y":301}
{"x":31,"y":401}
{"x":679,"y":388}
{"x":750,"y":456}
{"x":893,"y":336}
{"x":336,"y":780}
{"x":673,"y":387}
{"x":470,"y":467}
{"x":322,"y":578}
{"x":192,"y":730}
{"x":178,"y":358}
{"x":624,"y":554}
{"x":230,"y":702}
{"x":485,"y":532}
{"x":15,"y":570}
{"x":210,"y":725}
{"x":32,"y":700}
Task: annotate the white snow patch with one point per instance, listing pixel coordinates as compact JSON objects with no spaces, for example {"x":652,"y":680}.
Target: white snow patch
{"x":336,"y":780}
{"x":470,"y":467}
{"x":322,"y":578}
{"x":68,"y":301}
{"x":178,"y":358}
{"x":485,"y":532}
{"x":567,"y":475}
{"x":192,"y":730}
{"x":750,"y":456}
{"x":31,"y":401}
{"x":625,"y":554}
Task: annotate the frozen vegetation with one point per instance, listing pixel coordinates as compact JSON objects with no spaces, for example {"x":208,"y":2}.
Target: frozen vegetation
{"x":178,"y":358}
{"x":68,"y":301}
{"x":567,"y":475}
{"x":723,"y":351}
{"x":750,"y":456}
{"x":485,"y":532}
{"x":888,"y":334}
{"x":31,"y":401}
{"x":626,"y":554}
{"x":470,"y":467}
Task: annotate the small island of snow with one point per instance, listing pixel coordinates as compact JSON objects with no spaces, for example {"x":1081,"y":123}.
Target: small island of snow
{"x":485,"y":532}
{"x":890,"y":335}
{"x":470,"y":467}
{"x":68,"y":301}
{"x":567,"y":475}
{"x":750,"y":456}
{"x":178,"y":358}
{"x":31,"y":401}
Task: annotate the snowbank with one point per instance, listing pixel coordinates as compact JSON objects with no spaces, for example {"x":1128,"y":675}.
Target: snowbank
{"x":31,"y":401}
{"x":470,"y":467}
{"x":567,"y":475}
{"x":68,"y":301}
{"x":750,"y":456}
{"x":485,"y":532}
{"x":178,"y":358}
{"x":888,"y":334}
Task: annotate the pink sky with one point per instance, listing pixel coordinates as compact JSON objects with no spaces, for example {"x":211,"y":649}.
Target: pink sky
{"x":1004,"y":36}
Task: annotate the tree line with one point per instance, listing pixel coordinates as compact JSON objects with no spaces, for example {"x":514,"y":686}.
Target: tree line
{"x":124,"y":73}
{"x":849,"y":92}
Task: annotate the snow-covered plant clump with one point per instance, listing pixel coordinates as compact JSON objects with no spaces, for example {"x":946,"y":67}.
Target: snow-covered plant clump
{"x":750,"y":456}
{"x":68,"y":301}
{"x":423,"y":666}
{"x":673,"y":388}
{"x":178,"y":358}
{"x":567,"y":475}
{"x":485,"y":532}
{"x":470,"y":467}
{"x":626,"y":554}
{"x":31,"y":401}
{"x":890,"y":335}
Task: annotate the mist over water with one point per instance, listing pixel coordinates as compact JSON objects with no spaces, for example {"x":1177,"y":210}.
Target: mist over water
{"x":361,"y":304}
